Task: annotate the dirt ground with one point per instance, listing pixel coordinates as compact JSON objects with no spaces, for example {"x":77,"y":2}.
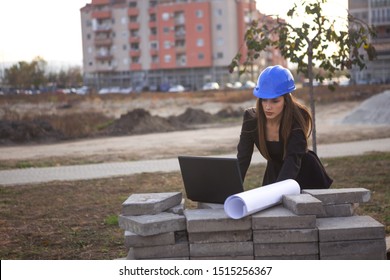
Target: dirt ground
{"x":207,"y":138}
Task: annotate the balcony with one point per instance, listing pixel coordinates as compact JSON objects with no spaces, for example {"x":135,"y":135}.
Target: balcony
{"x":180,"y":49}
{"x":134,"y":39}
{"x":153,"y":52}
{"x":101,"y":2}
{"x":135,"y":53}
{"x":133,"y":12}
{"x":104,"y":57}
{"x":136,"y":67}
{"x":101,"y":42}
{"x":133,"y":25}
{"x":101,"y":14}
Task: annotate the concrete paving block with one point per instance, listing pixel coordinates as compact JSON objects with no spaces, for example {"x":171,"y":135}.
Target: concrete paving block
{"x":278,"y":217}
{"x":228,"y":249}
{"x":349,"y":228}
{"x":150,"y":203}
{"x":340,"y":196}
{"x":285,"y":249}
{"x":374,"y":249}
{"x":303,"y":204}
{"x":206,"y":205}
{"x":135,"y":240}
{"x":178,"y":209}
{"x":220,"y":237}
{"x":210,"y":220}
{"x":285,"y":236}
{"x":339,"y":210}
{"x":223,"y":258}
{"x":152,"y":224}
{"x":180,"y":250}
{"x":304,"y":257}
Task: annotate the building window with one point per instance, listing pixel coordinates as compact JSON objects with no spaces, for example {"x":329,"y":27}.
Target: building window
{"x":199,"y":28}
{"x":124,"y":47}
{"x":219,"y":26}
{"x":167,"y":58}
{"x":154,"y":45}
{"x":200,"y":56}
{"x":219,"y":55}
{"x":199,"y":13}
{"x":200,"y":42}
{"x":133,"y":4}
{"x":166,"y":30}
{"x":165,"y":16}
{"x":218,"y":12}
{"x":220,"y":42}
{"x":167,"y":45}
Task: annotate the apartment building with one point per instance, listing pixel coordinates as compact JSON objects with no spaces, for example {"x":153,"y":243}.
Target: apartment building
{"x":376,"y":13}
{"x":157,"y":43}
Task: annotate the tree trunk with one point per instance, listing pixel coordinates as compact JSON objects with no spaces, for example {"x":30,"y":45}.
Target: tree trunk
{"x":312,"y":101}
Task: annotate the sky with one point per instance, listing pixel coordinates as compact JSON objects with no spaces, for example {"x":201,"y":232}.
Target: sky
{"x":51,"y":29}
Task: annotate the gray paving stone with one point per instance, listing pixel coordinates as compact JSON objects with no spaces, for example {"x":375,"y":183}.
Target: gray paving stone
{"x":339,"y":210}
{"x":303,"y":204}
{"x":178,"y":209}
{"x":219,"y":237}
{"x":349,"y":228}
{"x":223,"y":258}
{"x":150,"y":203}
{"x":353,"y":250}
{"x":229,"y":249}
{"x":152,"y":224}
{"x":285,"y":236}
{"x":279,"y":217}
{"x":135,"y":240}
{"x":206,"y":205}
{"x":180,"y":250}
{"x":210,"y":220}
{"x":285,"y":249}
{"x":304,"y":257}
{"x":340,"y":196}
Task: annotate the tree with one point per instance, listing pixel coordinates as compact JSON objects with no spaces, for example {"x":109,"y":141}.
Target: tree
{"x":24,"y":75}
{"x":327,"y":44}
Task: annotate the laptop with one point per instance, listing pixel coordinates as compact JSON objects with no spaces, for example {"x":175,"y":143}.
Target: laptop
{"x":210,"y":179}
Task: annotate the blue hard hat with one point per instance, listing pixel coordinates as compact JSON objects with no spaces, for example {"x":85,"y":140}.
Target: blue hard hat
{"x":274,"y":81}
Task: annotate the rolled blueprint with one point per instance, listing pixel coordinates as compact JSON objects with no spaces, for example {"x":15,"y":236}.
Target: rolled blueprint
{"x":248,"y":202}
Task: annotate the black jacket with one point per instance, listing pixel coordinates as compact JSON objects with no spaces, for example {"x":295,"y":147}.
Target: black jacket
{"x":299,"y":164}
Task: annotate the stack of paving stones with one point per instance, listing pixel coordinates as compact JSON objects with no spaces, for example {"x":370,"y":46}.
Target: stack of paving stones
{"x":155,"y":227}
{"x":316,"y":224}
{"x":213,"y":235}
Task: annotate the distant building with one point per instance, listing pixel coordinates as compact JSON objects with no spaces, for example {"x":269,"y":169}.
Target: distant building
{"x":155,"y":43}
{"x":376,"y":13}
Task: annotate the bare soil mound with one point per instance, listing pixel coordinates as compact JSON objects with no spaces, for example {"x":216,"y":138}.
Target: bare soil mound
{"x":194,"y":116}
{"x":26,"y":131}
{"x":140,"y":121}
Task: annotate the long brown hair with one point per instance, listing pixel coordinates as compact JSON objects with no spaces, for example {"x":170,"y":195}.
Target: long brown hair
{"x":293,"y":112}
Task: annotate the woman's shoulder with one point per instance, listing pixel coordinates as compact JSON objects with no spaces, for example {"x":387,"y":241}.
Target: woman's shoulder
{"x":250,"y":113}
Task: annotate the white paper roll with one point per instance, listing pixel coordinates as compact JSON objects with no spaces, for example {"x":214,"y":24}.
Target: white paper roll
{"x":246,"y":203}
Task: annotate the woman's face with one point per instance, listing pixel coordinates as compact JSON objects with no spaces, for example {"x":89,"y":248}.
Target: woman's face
{"x":273,"y":108}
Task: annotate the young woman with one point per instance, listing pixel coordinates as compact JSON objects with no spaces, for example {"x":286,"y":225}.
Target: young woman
{"x":279,"y":127}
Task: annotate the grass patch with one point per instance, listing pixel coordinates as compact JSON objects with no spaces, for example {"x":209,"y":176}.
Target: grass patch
{"x":79,"y":220}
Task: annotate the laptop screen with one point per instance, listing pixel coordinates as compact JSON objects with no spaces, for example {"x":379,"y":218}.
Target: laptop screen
{"x":210,"y":179}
